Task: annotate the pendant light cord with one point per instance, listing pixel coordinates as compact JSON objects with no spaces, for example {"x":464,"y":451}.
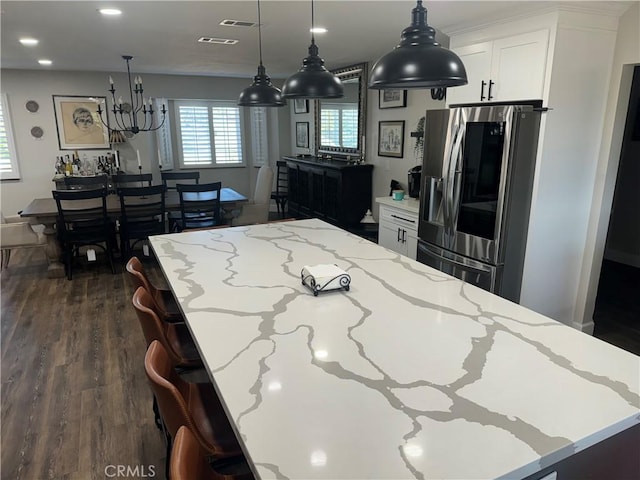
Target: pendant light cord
{"x":313,"y":38}
{"x":259,"y":33}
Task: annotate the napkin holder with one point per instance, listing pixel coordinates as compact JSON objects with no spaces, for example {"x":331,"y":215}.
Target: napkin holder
{"x":321,"y":278}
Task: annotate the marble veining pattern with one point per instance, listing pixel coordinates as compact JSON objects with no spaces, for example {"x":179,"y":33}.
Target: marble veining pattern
{"x":410,"y":374}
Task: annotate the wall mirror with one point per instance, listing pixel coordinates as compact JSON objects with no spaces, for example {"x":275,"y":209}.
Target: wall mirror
{"x":340,"y":123}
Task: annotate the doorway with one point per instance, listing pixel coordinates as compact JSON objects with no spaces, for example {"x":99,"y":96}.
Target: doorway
{"x":617,"y":309}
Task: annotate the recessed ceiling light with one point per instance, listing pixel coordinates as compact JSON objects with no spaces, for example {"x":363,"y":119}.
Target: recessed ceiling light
{"x":28,"y":41}
{"x":110,"y":11}
{"x":45,"y":62}
{"x":318,"y":30}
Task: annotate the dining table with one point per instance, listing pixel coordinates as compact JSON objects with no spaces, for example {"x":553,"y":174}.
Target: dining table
{"x":45,"y":212}
{"x":401,"y":372}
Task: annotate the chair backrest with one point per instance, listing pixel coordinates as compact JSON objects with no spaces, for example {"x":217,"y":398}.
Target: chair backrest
{"x":169,"y":389}
{"x":142,"y":211}
{"x":152,"y":327}
{"x":212,"y":431}
{"x":188,"y":460}
{"x":132,"y":180}
{"x":137,"y":275}
{"x":170,"y":179}
{"x":86,"y":183}
{"x":264,"y":184}
{"x":282,"y":177}
{"x":82,"y":215}
{"x":200,"y":205}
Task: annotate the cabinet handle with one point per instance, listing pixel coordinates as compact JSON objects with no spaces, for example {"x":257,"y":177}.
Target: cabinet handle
{"x":403,"y":219}
{"x":404,"y":236}
{"x":482,"y":97}
{"x":491,"y":84}
{"x":399,"y":237}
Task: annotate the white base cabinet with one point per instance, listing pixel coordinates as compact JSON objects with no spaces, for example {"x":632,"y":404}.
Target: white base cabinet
{"x":398,"y":226}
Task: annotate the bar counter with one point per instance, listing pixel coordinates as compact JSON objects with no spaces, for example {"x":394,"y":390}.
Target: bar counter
{"x":409,"y":374}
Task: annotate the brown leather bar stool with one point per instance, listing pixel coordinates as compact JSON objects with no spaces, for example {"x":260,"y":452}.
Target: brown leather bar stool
{"x":195,"y":405}
{"x":189,"y":462}
{"x":164,"y":301}
{"x":174,"y":337}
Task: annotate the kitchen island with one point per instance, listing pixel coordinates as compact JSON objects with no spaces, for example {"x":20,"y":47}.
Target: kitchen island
{"x":409,"y":374}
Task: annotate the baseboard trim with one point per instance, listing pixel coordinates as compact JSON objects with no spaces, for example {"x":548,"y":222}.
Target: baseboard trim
{"x":584,"y":327}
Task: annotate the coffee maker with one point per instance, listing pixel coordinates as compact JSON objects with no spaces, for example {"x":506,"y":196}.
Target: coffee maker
{"x":415,"y":176}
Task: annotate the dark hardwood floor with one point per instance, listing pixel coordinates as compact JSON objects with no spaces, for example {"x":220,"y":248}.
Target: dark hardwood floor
{"x":75,"y":399}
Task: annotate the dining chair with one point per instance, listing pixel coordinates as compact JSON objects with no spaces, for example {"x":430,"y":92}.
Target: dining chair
{"x":132,"y":180}
{"x":165,"y":304}
{"x":17,"y":232}
{"x":195,"y":405}
{"x":188,"y":460}
{"x":83,"y":221}
{"x":199,"y":205}
{"x":94,"y":182}
{"x":142,"y":213}
{"x":281,"y":193}
{"x":170,"y":180}
{"x":175,"y":337}
{"x":257,"y":209}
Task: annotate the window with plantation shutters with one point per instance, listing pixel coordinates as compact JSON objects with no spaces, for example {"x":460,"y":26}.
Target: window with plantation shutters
{"x":339,"y":125}
{"x":209,"y":134}
{"x":8,"y":161}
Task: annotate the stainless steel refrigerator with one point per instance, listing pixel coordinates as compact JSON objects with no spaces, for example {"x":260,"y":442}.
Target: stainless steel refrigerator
{"x":477,"y":179}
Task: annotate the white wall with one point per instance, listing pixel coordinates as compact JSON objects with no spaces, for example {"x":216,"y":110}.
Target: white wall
{"x":388,"y":168}
{"x":626,"y":55}
{"x":37,"y":157}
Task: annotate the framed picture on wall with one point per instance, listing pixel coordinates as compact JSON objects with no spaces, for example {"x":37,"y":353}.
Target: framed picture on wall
{"x":300,"y":105}
{"x":78,"y":123}
{"x":302,"y":134}
{"x":392,"y":98}
{"x":391,"y":139}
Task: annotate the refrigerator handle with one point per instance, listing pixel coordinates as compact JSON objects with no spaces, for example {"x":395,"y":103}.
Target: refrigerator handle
{"x":434,"y":197}
{"x":454,"y":184}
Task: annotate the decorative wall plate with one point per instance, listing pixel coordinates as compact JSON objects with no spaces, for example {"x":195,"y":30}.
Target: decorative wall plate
{"x":32,"y":106}
{"x":37,"y":132}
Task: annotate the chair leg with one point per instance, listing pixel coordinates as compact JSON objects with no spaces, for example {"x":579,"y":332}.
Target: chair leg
{"x":156,"y":415}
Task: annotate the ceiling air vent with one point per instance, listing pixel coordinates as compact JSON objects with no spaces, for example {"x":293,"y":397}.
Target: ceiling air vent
{"x":219,"y":41}
{"x":237,"y":23}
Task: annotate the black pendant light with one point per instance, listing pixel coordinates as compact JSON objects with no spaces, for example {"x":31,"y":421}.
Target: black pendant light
{"x":261,"y":93}
{"x":418,"y":61}
{"x":313,"y":80}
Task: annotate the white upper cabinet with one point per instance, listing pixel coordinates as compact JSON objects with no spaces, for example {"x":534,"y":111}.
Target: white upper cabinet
{"x":505,"y":69}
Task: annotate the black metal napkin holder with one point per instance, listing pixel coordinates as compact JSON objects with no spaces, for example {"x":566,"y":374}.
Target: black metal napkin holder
{"x":322,"y":278}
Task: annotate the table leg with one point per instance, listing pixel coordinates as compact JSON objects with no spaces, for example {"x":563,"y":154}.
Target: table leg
{"x":56,"y":268}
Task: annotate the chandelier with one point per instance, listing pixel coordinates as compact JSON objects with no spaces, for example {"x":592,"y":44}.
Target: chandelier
{"x":125,"y":114}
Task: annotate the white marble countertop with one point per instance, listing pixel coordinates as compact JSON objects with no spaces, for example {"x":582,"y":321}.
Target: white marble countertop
{"x":409,"y":374}
{"x":407,"y":203}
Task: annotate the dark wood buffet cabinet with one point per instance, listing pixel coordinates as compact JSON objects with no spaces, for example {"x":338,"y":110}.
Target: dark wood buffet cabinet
{"x":336,"y":191}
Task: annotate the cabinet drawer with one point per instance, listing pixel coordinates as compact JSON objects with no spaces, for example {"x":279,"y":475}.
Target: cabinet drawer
{"x":407,"y":220}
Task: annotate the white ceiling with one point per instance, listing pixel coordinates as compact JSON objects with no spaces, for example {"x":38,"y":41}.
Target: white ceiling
{"x":162,"y":35}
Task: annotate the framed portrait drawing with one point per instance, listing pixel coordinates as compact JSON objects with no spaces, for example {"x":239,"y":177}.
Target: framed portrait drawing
{"x":302,"y":134}
{"x":391,"y":139}
{"x":78,"y":123}
{"x":300,"y":105}
{"x":392,"y":98}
